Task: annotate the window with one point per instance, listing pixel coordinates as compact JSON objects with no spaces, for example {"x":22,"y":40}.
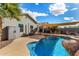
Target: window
{"x":31,"y":27}
{"x":21,"y":27}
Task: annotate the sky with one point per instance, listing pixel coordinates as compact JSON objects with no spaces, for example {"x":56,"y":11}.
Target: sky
{"x":52,"y":12}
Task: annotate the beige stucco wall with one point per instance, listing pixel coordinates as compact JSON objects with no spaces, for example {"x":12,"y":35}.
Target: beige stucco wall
{"x":14,"y":23}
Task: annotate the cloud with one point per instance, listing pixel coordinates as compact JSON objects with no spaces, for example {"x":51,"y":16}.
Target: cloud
{"x":74,"y":20}
{"x":74,"y":9}
{"x":36,"y":3}
{"x":70,"y":19}
{"x":35,"y":14}
{"x":57,"y":9}
{"x":23,"y":10}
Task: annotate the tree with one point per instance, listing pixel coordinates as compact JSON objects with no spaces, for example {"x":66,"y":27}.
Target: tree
{"x":10,"y":10}
{"x":55,"y":29}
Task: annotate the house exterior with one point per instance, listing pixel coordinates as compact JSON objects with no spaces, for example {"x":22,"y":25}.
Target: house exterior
{"x":13,"y":29}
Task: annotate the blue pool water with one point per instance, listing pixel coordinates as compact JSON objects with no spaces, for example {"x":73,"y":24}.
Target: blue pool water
{"x":50,"y":46}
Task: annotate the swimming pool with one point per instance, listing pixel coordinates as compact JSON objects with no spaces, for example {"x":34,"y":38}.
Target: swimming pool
{"x":50,"y":46}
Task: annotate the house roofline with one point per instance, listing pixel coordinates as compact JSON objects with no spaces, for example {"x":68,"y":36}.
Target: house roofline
{"x":30,"y":18}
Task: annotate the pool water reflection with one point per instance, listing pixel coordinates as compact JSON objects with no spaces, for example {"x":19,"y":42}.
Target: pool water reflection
{"x":50,"y":46}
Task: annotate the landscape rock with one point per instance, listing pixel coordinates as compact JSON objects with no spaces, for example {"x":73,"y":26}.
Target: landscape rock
{"x":71,"y":45}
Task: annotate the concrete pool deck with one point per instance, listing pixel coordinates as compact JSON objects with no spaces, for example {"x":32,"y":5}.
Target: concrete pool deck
{"x":17,"y":47}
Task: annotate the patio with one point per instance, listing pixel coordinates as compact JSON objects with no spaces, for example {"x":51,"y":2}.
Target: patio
{"x":17,"y":47}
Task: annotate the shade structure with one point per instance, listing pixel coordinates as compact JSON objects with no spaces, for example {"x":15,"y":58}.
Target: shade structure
{"x":60,"y":24}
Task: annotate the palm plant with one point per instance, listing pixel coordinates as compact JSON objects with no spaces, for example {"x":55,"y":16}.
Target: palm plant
{"x":10,"y":10}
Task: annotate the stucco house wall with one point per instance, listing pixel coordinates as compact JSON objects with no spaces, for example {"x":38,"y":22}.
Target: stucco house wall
{"x":14,"y":29}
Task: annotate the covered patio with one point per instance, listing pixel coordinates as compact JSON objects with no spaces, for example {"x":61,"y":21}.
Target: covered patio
{"x":54,"y":28}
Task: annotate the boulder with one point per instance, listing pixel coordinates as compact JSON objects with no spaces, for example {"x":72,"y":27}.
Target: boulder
{"x":77,"y":53}
{"x":71,"y":45}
